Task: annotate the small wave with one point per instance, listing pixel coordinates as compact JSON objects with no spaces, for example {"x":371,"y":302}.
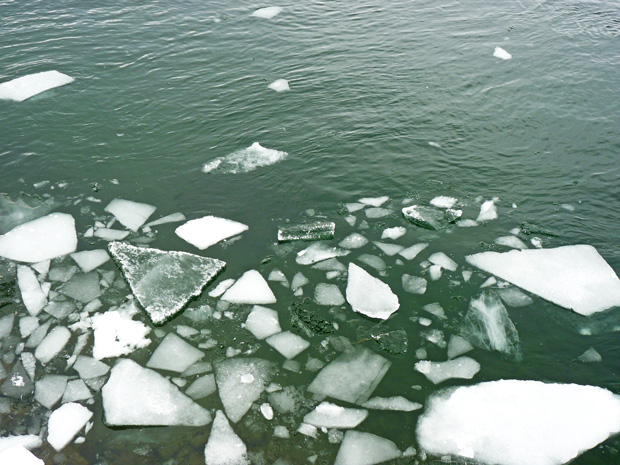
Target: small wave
{"x":245,"y":160}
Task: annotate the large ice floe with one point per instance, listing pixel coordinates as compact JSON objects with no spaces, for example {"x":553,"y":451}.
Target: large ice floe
{"x":208,"y":230}
{"x":369,"y":295}
{"x":22,"y":88}
{"x":245,"y":160}
{"x":164,"y":282}
{"x":574,"y":277}
{"x":512,"y":422}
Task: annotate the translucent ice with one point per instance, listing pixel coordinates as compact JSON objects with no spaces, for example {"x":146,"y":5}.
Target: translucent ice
{"x":393,"y":233}
{"x":514,"y":297}
{"x":590,"y":356}
{"x":389,"y":249}
{"x":108,"y":234}
{"x":76,"y":391}
{"x":65,"y":422}
{"x":49,"y":390}
{"x":438,"y":372}
{"x":288,"y":344}
{"x":411,"y":252}
{"x":22,"y":88}
{"x":83,"y":287}
{"x":202,"y":387}
{"x":174,"y":354}
{"x":250,"y":288}
{"x":53,"y":343}
{"x":316,"y":231}
{"x":328,"y":294}
{"x":88,"y":260}
{"x":373,"y":261}
{"x":299,"y":280}
{"x":510,"y":241}
{"x":359,"y":448}
{"x":457,"y":346}
{"x":262,"y":322}
{"x":442,"y":260}
{"x":208,"y":230}
{"x":414,"y":284}
{"x":88,"y":367}
{"x":368,"y":295}
{"x":224,"y":447}
{"x":267,"y":12}
{"x":396,"y":403}
{"x":130,"y":214}
{"x":328,"y":415}
{"x":353,"y":241}
{"x":245,"y":160}
{"x":318,"y":252}
{"x":279,"y":85}
{"x":32,"y":295}
{"x":377,"y":212}
{"x":172,"y":218}
{"x":501,"y":54}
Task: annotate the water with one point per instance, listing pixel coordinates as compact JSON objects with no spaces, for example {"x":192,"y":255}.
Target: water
{"x":163,"y":88}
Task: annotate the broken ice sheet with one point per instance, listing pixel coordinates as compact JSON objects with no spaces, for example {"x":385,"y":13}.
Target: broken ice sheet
{"x":250,"y":288}
{"x":82,"y":287}
{"x":288,"y":344}
{"x":318,"y":252}
{"x":65,"y":422}
{"x":315,"y":231}
{"x":224,"y":447}
{"x":328,"y":415}
{"x":368,"y":295}
{"x":164,"y":282}
{"x":130,"y":214}
{"x":208,"y":230}
{"x":438,"y":372}
{"x":174,"y":354}
{"x":22,"y":88}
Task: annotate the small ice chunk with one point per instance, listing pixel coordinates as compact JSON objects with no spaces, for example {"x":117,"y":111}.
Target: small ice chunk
{"x":489,"y":282}
{"x":468,"y":223}
{"x":221,"y":288}
{"x":28,"y":441}
{"x":53,"y":343}
{"x":353,"y":207}
{"x":279,"y":85}
{"x":443,"y":202}
{"x":396,"y":403}
{"x":328,"y":294}
{"x":510,"y":241}
{"x":299,"y":280}
{"x":49,"y":390}
{"x":267,"y":12}
{"x":186,"y":331}
{"x":359,"y":448}
{"x":350,"y":219}
{"x":172,"y":218}
{"x":208,"y":230}
{"x":83,"y":287}
{"x":389,"y":249}
{"x":536,"y":242}
{"x":353,"y":241}
{"x":373,"y":261}
{"x":377,"y":212}
{"x":317,"y":252}
{"x":316,"y":231}
{"x":278,"y":276}
{"x":328,"y":415}
{"x":88,"y":260}
{"x":434,"y":272}
{"x":76,"y":391}
{"x":374,"y":201}
{"x":393,"y":233}
{"x":514,"y":297}
{"x":27,"y":324}
{"x":466,"y":275}
{"x":19,"y":454}
{"x":414,"y":284}
{"x":88,"y":367}
{"x":22,"y":88}
{"x":288,"y":344}
{"x":368,"y":295}
{"x":42,"y":267}
{"x":202,"y":387}
{"x":65,"y":422}
{"x":37,"y":335}
{"x":442,"y":260}
{"x":6,"y":324}
{"x":262,"y":322}
{"x":32,"y":295}
{"x":457,"y":346}
{"x":130,"y":214}
{"x":198,"y":368}
{"x":411,"y":252}
{"x":30,"y":363}
{"x":590,"y":356}
{"x":250,"y":288}
{"x":174,"y":354}
{"x":425,"y":217}
{"x":438,"y":372}
{"x":245,"y":160}
{"x":42,"y":239}
{"x":266,"y":410}
{"x":108,"y":234}
{"x":224,"y":447}
{"x":18,"y":383}
{"x":281,"y":432}
{"x":488,"y":211}
{"x":117,"y":334}
{"x":435,"y":309}
{"x":331,"y":264}
{"x":502,"y":54}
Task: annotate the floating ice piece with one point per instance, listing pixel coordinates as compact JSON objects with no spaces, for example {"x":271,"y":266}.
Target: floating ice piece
{"x":65,"y":422}
{"x":487,"y":324}
{"x":438,"y":372}
{"x":130,"y":214}
{"x":202,"y":387}
{"x":499,"y":52}
{"x":389,"y":249}
{"x":240,"y":382}
{"x":350,"y":219}
{"x":435,"y":309}
{"x":262,"y":322}
{"x":510,"y":241}
{"x":396,"y":403}
{"x":352,"y":377}
{"x":377,"y":212}
{"x":108,"y":234}
{"x":24,"y":87}
{"x":328,"y":294}
{"x":488,"y":211}
{"x":83,"y":287}
{"x":393,"y":233}
{"x":49,"y":390}
{"x":331,"y":264}
{"x":442,"y":260}
{"x":373,"y":261}
{"x":76,"y":391}
{"x":18,"y":383}
{"x":511,"y":422}
{"x":27,"y":324}
{"x":117,"y":334}
{"x":590,"y":356}
{"x":574,"y":277}
{"x":374,"y":201}
{"x":267,"y":12}
{"x":19,"y":455}
{"x":353,"y":241}
{"x":368,"y":295}
{"x":279,"y":85}
{"x":489,"y":282}
{"x":468,"y":223}
{"x":353,"y":207}
{"x":457,"y":346}
{"x":172,"y":218}
{"x":514,"y":297}
{"x":224,"y":447}
{"x":174,"y":354}
{"x":299,"y":280}
{"x":278,"y":276}
{"x":414,"y":284}
{"x":328,"y":415}
{"x":359,"y":448}
{"x":88,"y":260}
{"x":245,"y":160}
{"x":53,"y":343}
{"x":42,"y":239}
{"x":88,"y":367}
{"x":6,"y":325}
{"x":164,"y":282}
{"x":32,"y":295}
{"x":318,"y":252}
{"x":266,"y":410}
{"x":425,"y":217}
{"x":443,"y":202}
{"x":288,"y":344}
{"x":208,"y":230}
{"x":28,"y":441}
{"x":412,"y":252}
{"x":250,"y":288}
{"x":316,"y":231}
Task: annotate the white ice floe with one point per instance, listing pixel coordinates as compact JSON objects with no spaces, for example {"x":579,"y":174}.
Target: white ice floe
{"x":353,"y":207}
{"x":28,"y":441}
{"x":49,"y":390}
{"x":396,"y":403}
{"x":277,"y":276}
{"x":172,"y":218}
{"x":502,"y":54}
{"x":224,"y":447}
{"x":331,"y":264}
{"x":130,"y":214}
{"x":374,"y":201}
{"x":137,"y":396}
{"x":443,"y":202}
{"x":202,"y":387}
{"x":24,"y":87}
{"x":442,"y":260}
{"x":83,"y":287}
{"x":299,"y":280}
{"x":512,"y":422}
{"x":510,"y":241}
{"x":267,"y":12}
{"x":262,"y":322}
{"x":389,"y":249}
{"x":76,"y":391}
{"x":438,"y":372}
{"x":89,"y":260}
{"x":412,"y":252}
{"x":245,"y":160}
{"x":488,"y":211}
{"x":42,"y":239}
{"x":414,"y":284}
{"x":53,"y":343}
{"x":208,"y":230}
{"x":221,"y":288}
{"x":279,"y":85}
{"x":88,"y":367}
{"x":359,"y":448}
{"x":393,"y":233}
{"x":65,"y":422}
{"x":108,"y":234}
{"x":250,"y":288}
{"x":376,"y":212}
{"x":353,"y":241}
{"x":117,"y":334}
{"x":328,"y":415}
{"x":317,"y":252}
{"x":19,"y":455}
{"x":174,"y":354}
{"x":574,"y":277}
{"x":328,"y":294}
{"x":288,"y":344}
{"x":457,"y":346}
{"x":368,"y":295}
{"x":514,"y":297}
{"x":32,"y":295}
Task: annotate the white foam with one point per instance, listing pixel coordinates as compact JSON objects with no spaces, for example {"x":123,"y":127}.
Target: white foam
{"x":328,"y":294}
{"x":368,"y":295}
{"x":501,"y":53}
{"x":359,"y":448}
{"x":279,"y":85}
{"x":443,"y":202}
{"x":267,"y":12}
{"x":393,"y":233}
{"x":32,"y":295}
{"x":250,"y":288}
{"x":438,"y":372}
{"x":328,"y":415}
{"x":262,"y":322}
{"x":224,"y":447}
{"x":208,"y":230}
{"x":24,"y":87}
{"x":130,"y":214}
{"x":65,"y":422}
{"x":88,"y":260}
{"x":245,"y":160}
{"x":19,"y":455}
{"x":174,"y":354}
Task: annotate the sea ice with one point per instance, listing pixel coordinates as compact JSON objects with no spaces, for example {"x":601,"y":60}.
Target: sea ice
{"x":512,"y":422}
{"x":425,"y":217}
{"x":108,"y":234}
{"x":18,"y":384}
{"x":435,"y":309}
{"x":393,"y":233}
{"x":434,"y":272}
{"x":328,"y":294}
{"x":22,"y":88}
{"x":202,"y":387}
{"x":137,"y":396}
{"x":27,"y":324}
{"x":277,"y":276}
{"x":373,"y":261}
{"x":389,"y":249}
{"x":442,"y":260}
{"x":117,"y":334}
{"x":28,"y":441}
{"x":245,"y":160}
{"x":438,"y":372}
{"x":32,"y":295}
{"x":316,"y":231}
{"x":412,"y":252}
{"x":6,"y":324}
{"x":353,"y":207}
{"x":65,"y":422}
{"x":352,"y":377}
{"x":359,"y":448}
{"x":250,"y":288}
{"x":374,"y":201}
{"x":514,"y":297}
{"x":299,"y":280}
{"x":224,"y":447}
{"x":208,"y":230}
{"x":42,"y":239}
{"x":457,"y":346}
{"x":396,"y":403}
{"x":172,"y":218}
{"x":377,"y":212}
{"x":174,"y":354}
{"x":317,"y":252}
{"x":328,"y":415}
{"x":88,"y":367}
{"x":590,"y":356}
{"x":83,"y":287}
{"x":288,"y":344}
{"x":19,"y":455}
{"x":501,"y":53}
{"x":49,"y":390}
{"x":130,"y":214}
{"x":353,"y":241}
{"x":443,"y":202}
{"x":510,"y":241}
{"x":267,"y":13}
{"x":262,"y":322}
{"x":368,"y":295}
{"x":76,"y":391}
{"x":279,"y":85}
{"x":53,"y":343}
{"x":574,"y":277}
{"x":414,"y":284}
{"x":488,"y":211}
{"x":331,"y":264}
{"x":164,"y":282}
{"x":88,"y":260}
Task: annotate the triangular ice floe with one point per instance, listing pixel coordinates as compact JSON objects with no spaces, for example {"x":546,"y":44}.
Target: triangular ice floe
{"x":224,"y":447}
{"x":360,"y":448}
{"x":574,"y":277}
{"x":164,"y":282}
{"x":251,"y":288}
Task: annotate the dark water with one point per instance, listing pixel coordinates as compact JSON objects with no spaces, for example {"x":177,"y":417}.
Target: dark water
{"x":162,"y":88}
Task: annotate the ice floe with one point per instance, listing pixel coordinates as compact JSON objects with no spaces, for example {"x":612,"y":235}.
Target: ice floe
{"x":374,"y":201}
{"x":412,"y":252}
{"x":172,"y":218}
{"x":288,"y":344}
{"x":89,"y":260}
{"x":262,"y":322}
{"x":328,"y":415}
{"x":267,"y":12}
{"x":22,"y":88}
{"x":88,"y":367}
{"x":328,"y":294}
{"x":208,"y":230}
{"x":245,"y":160}
{"x":510,"y":241}
{"x":442,"y":260}
{"x":396,"y":404}
{"x":224,"y":447}
{"x":33,"y":297}
{"x":425,"y":217}
{"x":19,"y":455}
{"x":360,"y":448}
{"x":393,"y":233}
{"x":174,"y":354}
{"x":388,"y":249}
{"x":65,"y":422}
{"x":49,"y":390}
{"x":130,"y":214}
{"x":369,"y":295}
{"x":279,"y":85}
{"x":316,"y":231}
{"x":414,"y":284}
{"x":590,"y":356}
{"x":488,"y":211}
{"x":318,"y":252}
{"x":443,"y":201}
{"x":438,"y":372}
{"x":53,"y":343}
{"x":502,"y":54}
{"x":457,"y":346}
{"x":28,"y":441}
{"x":116,"y":334}
{"x":353,"y":241}
{"x":250,"y":288}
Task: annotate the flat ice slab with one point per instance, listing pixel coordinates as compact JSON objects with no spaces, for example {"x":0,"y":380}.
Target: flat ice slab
{"x":174,"y":354}
{"x":369,"y":295}
{"x":164,"y":282}
{"x":245,"y":160}
{"x":19,"y":455}
{"x":328,"y":415}
{"x":359,"y":448}
{"x":317,"y":231}
{"x":137,"y":396}
{"x":318,"y":252}
{"x":574,"y":276}
{"x":250,"y":288}
{"x":425,"y":217}
{"x":130,"y":214}
{"x":23,"y":88}
{"x":267,"y":12}
{"x":224,"y":447}
{"x":502,"y":54}
{"x":208,"y":230}
{"x":438,"y":372}
{"x":65,"y":422}
{"x":42,"y":239}
{"x":279,"y":85}
{"x":512,"y":422}
{"x":262,"y":322}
